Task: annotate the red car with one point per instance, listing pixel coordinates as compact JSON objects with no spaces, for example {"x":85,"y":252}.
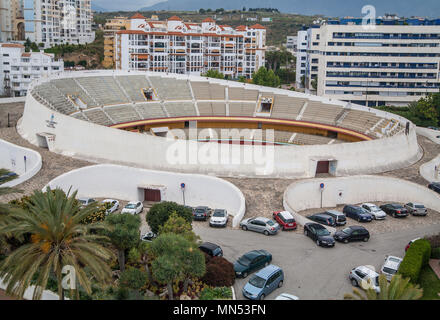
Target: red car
{"x":285,"y":220}
{"x":410,"y":243}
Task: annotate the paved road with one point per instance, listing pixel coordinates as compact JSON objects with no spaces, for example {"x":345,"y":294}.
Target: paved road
{"x":312,"y":272}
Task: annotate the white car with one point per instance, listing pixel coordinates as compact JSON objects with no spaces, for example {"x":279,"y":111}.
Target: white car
{"x":84,"y":202}
{"x":364,"y":277}
{"x":286,"y":296}
{"x":133,"y":207}
{"x":149,"y":236}
{"x":219,"y":218}
{"x":375,"y":211}
{"x":113,"y":205}
{"x":390,"y":266}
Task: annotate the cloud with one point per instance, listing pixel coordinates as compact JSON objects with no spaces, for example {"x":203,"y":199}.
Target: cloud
{"x":125,"y":5}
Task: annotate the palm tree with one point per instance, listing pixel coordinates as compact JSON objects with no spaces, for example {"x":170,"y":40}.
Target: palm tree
{"x":58,"y":239}
{"x":4,"y":210}
{"x":398,"y":289}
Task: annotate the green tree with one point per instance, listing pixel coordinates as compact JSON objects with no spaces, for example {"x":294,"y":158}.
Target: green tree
{"x":132,"y":278}
{"x":159,"y":213}
{"x":314,"y":83}
{"x":58,"y":239}
{"x":263,"y":77}
{"x":123,"y":233}
{"x":4,"y":210}
{"x":398,"y":289}
{"x":242,"y":79}
{"x":214,"y":74}
{"x":178,"y":225}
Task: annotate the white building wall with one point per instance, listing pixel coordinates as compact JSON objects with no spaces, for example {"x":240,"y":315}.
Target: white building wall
{"x":301,"y":57}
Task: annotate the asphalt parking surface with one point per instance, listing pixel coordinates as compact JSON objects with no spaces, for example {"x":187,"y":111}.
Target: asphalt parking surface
{"x":312,"y":272}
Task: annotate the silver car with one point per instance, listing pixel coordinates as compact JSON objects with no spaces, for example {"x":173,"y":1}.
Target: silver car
{"x":390,"y":266}
{"x":416,"y":209}
{"x":260,"y":224}
{"x":364,"y":277}
{"x":375,"y":211}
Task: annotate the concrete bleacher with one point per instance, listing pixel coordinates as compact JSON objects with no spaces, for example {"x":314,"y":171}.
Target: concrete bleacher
{"x":171,"y":89}
{"x":69,"y":87}
{"x":309,"y":139}
{"x":180,"y":109}
{"x":208,"y":91}
{"x":96,"y":115}
{"x":80,"y":116}
{"x":133,"y":86}
{"x":285,"y":107}
{"x":212,"y":108}
{"x":122,"y":113}
{"x":241,"y":94}
{"x":360,"y":121}
{"x":104,"y":90}
{"x":150,"y":110}
{"x":55,"y":98}
{"x":242,"y":109}
{"x":322,"y":113}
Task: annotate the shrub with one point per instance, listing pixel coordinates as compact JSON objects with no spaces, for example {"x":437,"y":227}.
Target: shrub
{"x":435,"y":254}
{"x":218,"y":293}
{"x":97,"y":216}
{"x":415,"y":258}
{"x":132,"y":278}
{"x":161,"y":212}
{"x":219,"y":273}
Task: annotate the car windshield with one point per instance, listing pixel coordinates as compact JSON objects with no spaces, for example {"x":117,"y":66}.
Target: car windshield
{"x":389,"y":270}
{"x":257,"y":281}
{"x":322,"y":232}
{"x":289,"y":220}
{"x":130,"y":206}
{"x":200,"y":211}
{"x":270,"y":222}
{"x":397,"y":206}
{"x":420,"y":206}
{"x":374,"y":208}
{"x":84,"y":202}
{"x":218,"y":214}
{"x":244,"y":261}
{"x":347,"y":230}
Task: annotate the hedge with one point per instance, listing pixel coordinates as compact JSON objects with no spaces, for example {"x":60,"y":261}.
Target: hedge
{"x":218,"y":293}
{"x":435,"y":253}
{"x":415,"y":259}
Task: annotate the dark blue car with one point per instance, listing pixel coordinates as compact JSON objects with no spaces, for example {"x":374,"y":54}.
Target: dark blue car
{"x":357,"y":213}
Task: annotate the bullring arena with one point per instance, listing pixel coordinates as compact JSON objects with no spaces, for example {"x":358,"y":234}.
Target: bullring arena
{"x":249,"y":149}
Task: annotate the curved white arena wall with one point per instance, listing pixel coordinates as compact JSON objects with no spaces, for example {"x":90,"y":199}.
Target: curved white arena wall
{"x":12,"y":157}
{"x":127,"y":183}
{"x":102,"y":144}
{"x":306,"y":194}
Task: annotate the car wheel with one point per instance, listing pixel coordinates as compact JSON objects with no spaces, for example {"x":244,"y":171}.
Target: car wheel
{"x":345,"y":240}
{"x":306,"y":233}
{"x":317,"y":243}
{"x":244,"y":274}
{"x":359,"y":219}
{"x":280,"y":284}
{"x":354,"y":282}
{"x":394,"y":215}
{"x":262,"y":297}
{"x":244,"y":228}
{"x":366,"y":239}
{"x":266,"y":233}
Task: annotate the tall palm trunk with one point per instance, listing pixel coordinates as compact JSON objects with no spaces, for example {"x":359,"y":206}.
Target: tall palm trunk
{"x":60,"y":285}
{"x":170,"y":290}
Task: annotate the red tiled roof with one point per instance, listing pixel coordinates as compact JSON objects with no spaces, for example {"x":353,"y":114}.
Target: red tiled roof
{"x":241,"y":28}
{"x":174,"y":18}
{"x":208,"y":20}
{"x":11,"y":45}
{"x":257,"y":26}
{"x":138,"y":16}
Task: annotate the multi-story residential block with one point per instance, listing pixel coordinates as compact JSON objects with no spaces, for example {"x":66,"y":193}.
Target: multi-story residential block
{"x":183,"y":47}
{"x":110,"y":28}
{"x":53,"y":22}
{"x":394,"y":63}
{"x":11,"y":20}
{"x":292,"y":43}
{"x":301,"y":58}
{"x":18,"y":68}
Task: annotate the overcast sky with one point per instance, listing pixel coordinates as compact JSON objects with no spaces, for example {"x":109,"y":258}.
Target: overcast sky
{"x":125,"y":4}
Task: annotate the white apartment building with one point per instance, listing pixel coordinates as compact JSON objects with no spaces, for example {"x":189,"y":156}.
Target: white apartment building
{"x":18,"y":68}
{"x":53,"y":22}
{"x":11,"y":20}
{"x":292,"y":44}
{"x":387,"y":65}
{"x":301,"y":57}
{"x":190,"y":48}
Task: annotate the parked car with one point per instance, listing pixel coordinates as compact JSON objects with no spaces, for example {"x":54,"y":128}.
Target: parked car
{"x":376,"y":212}
{"x":212,"y":249}
{"x":390,"y":266}
{"x":322,"y":218}
{"x":395,"y":209}
{"x":112,"y":205}
{"x":201,"y":213}
{"x":434,"y":128}
{"x":263,"y":283}
{"x":319,"y":233}
{"x":133,"y":207}
{"x":339,"y":217}
{"x":219,"y":218}
{"x":285,"y":220}
{"x":416,"y":209}
{"x":286,"y":296}
{"x":251,"y":261}
{"x":434,"y":186}
{"x":352,"y":233}
{"x":84,"y":202}
{"x":364,"y":273}
{"x":149,"y":236}
{"x":357,"y":213}
{"x":410,"y":243}
{"x":260,"y":224}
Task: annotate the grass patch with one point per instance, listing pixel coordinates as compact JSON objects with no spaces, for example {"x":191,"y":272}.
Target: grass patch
{"x":430,"y":283}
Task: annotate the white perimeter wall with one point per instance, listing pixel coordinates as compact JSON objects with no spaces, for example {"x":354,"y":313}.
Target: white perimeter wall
{"x":306,"y":194}
{"x":125,"y":183}
{"x":12,"y":158}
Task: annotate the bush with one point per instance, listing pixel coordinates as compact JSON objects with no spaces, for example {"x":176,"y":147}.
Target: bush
{"x":219,"y":293}
{"x":415,"y":259}
{"x":219,"y":273}
{"x":435,"y":254}
{"x":161,"y":212}
{"x":132,"y":278}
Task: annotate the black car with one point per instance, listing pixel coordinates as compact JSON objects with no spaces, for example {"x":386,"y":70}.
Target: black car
{"x":357,"y":213}
{"x":323,"y":218}
{"x":320,"y":234}
{"x":435,"y":186}
{"x":352,"y":233}
{"x":394,"y":209}
{"x":201,"y":213}
{"x":251,"y":261}
{"x":211,"y":249}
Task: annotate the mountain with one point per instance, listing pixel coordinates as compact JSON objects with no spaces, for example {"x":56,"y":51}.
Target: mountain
{"x":333,"y":8}
{"x":97,"y":8}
